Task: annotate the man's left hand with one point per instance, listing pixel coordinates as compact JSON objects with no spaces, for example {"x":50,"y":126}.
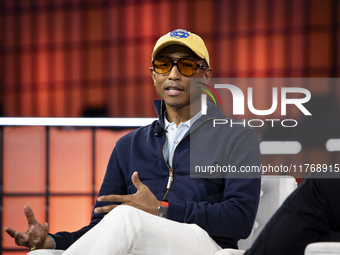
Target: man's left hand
{"x":143,"y":199}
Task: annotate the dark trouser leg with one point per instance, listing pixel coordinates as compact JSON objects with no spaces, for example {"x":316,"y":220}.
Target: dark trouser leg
{"x":308,"y":215}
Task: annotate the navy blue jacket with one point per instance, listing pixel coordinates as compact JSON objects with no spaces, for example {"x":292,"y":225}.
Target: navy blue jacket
{"x":224,"y":207}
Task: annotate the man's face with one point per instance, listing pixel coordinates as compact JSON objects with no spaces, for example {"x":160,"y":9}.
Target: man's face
{"x":173,"y":87}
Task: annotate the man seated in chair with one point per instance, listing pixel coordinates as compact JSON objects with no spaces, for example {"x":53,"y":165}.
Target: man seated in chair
{"x":150,"y":202}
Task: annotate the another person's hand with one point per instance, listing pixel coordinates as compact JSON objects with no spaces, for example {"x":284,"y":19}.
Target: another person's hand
{"x":143,"y":199}
{"x":35,"y":237}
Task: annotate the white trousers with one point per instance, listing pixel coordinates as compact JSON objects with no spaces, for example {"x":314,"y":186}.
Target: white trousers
{"x":127,"y":230}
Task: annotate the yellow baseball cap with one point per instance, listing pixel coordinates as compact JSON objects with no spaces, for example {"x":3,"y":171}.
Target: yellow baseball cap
{"x":183,"y":37}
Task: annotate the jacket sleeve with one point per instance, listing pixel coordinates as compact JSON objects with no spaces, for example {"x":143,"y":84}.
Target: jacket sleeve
{"x":233,"y":216}
{"x":113,"y":183}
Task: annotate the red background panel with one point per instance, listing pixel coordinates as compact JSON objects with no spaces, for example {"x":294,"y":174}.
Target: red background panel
{"x":69,"y":213}
{"x":70,"y":171}
{"x":105,"y":142}
{"x":24,"y":159}
{"x":70,"y":160}
{"x":108,"y":44}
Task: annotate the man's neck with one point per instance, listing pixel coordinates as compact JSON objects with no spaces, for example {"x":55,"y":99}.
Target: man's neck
{"x":179,"y":115}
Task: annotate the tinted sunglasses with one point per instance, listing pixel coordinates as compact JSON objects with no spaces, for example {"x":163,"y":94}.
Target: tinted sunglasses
{"x":187,"y":67}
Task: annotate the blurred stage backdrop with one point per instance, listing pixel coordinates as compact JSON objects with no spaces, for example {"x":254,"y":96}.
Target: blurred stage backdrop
{"x":72,"y":58}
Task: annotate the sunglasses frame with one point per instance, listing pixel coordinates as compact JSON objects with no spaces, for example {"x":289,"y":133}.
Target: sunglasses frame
{"x":173,"y":63}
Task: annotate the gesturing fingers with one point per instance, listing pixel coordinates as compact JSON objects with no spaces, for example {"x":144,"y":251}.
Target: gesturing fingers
{"x":111,"y":198}
{"x":10,"y":231}
{"x":38,"y":240}
{"x":21,"y":238}
{"x":136,"y":181}
{"x":29,"y":215}
{"x":143,"y":199}
{"x":114,"y":198}
{"x":105,"y":209}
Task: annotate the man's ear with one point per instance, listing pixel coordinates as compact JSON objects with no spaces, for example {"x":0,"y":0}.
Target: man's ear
{"x":208,"y":74}
{"x":152,"y":73}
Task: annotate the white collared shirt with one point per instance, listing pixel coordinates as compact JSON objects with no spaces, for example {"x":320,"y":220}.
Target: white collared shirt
{"x":175,"y":135}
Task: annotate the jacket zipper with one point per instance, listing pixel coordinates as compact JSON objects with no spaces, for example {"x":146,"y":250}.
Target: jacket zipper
{"x":171,"y":171}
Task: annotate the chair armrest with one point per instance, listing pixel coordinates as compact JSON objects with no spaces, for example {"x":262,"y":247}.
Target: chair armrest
{"x":46,"y":252}
{"x":229,"y":252}
{"x":323,"y":248}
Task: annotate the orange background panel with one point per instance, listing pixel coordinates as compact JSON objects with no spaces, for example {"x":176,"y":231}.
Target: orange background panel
{"x":203,"y":11}
{"x":108,"y":44}
{"x":95,"y":24}
{"x":279,"y":10}
{"x":242,"y":61}
{"x":26,"y":67}
{"x":94,"y":94}
{"x":58,"y":73}
{"x":10,"y":38}
{"x":278,"y":59}
{"x":74,"y":25}
{"x":148,"y":24}
{"x":43,"y":58}
{"x":43,"y":101}
{"x":26,"y":29}
{"x":9,"y":101}
{"x":24,"y":159}
{"x":75,"y":67}
{"x":260,"y":52}
{"x":26,"y":105}
{"x":14,"y":217}
{"x":105,"y":142}
{"x":59,"y":96}
{"x":58,"y":20}
{"x":10,"y":72}
{"x":69,"y":213}
{"x":260,"y":14}
{"x":320,"y":11}
{"x":95,"y":64}
{"x":42,"y":27}
{"x":297,"y":51}
{"x":70,"y":160}
{"x":76,"y":95}
{"x":320,"y":54}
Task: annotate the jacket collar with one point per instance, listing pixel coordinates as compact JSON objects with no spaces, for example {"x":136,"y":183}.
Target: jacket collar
{"x":212,"y":112}
{"x":160,"y":109}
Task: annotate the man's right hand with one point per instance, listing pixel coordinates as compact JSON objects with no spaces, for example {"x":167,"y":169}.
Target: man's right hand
{"x":35,"y":237}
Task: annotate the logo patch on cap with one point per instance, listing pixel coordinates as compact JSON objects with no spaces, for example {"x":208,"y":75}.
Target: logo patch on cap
{"x":179,"y":33}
